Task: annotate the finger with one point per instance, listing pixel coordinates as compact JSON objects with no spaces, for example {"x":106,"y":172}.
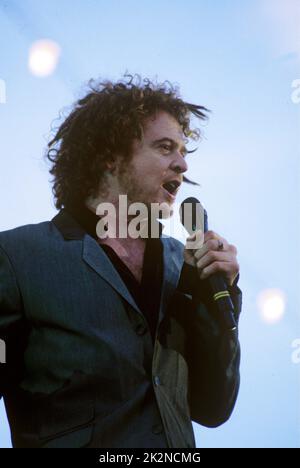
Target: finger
{"x":224,"y":268}
{"x":233,"y":249}
{"x":211,"y":245}
{"x":211,"y":235}
{"x":211,"y":257}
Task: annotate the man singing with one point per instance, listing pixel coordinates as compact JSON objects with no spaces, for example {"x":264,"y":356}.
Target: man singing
{"x":114,"y":340}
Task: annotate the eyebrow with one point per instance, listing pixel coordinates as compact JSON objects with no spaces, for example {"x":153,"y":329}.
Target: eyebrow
{"x":170,"y":140}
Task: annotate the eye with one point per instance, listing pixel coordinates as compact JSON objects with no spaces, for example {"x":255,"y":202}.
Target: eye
{"x":165,"y":147}
{"x":169,"y":148}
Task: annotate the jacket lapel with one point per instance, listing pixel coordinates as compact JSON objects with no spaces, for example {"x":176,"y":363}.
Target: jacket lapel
{"x":92,"y":254}
{"x":95,"y":257}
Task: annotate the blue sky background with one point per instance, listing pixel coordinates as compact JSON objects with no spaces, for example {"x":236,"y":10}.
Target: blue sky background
{"x":239,"y":58}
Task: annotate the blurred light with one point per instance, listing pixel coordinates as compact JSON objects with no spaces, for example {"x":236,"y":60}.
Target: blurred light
{"x":43,"y":57}
{"x":285,"y":17}
{"x":271,"y":303}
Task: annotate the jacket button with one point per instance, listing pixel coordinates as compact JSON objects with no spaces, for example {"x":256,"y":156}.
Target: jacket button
{"x":140,"y":329}
{"x":157,"y":429}
{"x":156,"y":380}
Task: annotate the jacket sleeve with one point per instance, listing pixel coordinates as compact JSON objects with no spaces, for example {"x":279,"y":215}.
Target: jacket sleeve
{"x":212,"y":353}
{"x":11,"y":323}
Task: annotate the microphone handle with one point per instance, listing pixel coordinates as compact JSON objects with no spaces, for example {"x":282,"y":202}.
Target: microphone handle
{"x":221,"y":296}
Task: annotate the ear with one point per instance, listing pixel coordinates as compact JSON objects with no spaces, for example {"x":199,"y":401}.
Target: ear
{"x":114,"y":164}
{"x":111,"y":166}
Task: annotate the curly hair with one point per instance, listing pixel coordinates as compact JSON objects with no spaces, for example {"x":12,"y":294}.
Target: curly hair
{"x":104,"y":124}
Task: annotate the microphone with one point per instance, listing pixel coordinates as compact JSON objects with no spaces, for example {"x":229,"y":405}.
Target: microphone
{"x":193,"y":216}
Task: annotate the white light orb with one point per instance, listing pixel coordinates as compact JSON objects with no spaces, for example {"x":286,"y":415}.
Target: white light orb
{"x":271,"y":304}
{"x":43,"y":57}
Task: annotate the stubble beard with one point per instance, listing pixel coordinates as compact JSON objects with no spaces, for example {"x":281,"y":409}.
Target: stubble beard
{"x":130,"y":186}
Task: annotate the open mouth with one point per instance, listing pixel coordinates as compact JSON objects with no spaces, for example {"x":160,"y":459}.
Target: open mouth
{"x":171,"y":187}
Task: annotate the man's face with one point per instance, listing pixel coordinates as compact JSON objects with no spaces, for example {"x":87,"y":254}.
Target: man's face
{"x":154,"y":173}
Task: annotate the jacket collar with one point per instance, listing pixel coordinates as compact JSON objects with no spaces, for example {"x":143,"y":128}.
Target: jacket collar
{"x":68,"y":226}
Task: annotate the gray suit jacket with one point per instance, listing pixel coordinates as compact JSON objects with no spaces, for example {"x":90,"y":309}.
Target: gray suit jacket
{"x":81,"y":369}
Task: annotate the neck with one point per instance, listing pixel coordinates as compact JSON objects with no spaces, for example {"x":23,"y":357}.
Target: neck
{"x":114,"y":222}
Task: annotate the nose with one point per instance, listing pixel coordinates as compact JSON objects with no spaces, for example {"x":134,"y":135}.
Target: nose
{"x":179,"y":164}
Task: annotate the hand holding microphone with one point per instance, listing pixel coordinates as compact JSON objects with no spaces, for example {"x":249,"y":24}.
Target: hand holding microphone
{"x":214,"y":258}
